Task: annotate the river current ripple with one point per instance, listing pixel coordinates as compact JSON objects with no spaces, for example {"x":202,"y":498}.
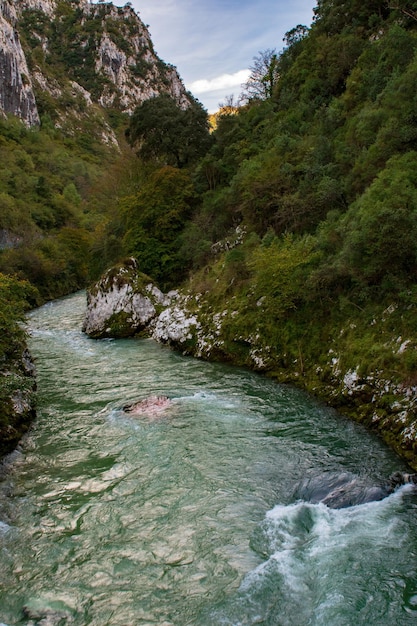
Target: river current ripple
{"x":210,"y":515}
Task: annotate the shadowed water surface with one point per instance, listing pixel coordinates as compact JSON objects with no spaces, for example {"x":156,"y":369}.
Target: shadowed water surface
{"x":211,"y":513}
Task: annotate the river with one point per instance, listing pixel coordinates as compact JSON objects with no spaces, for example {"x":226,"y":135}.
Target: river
{"x":210,"y":513}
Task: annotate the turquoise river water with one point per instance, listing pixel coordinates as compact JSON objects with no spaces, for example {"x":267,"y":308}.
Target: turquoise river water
{"x":244,"y":503}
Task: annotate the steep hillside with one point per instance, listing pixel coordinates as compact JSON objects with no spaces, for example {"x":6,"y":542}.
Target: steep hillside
{"x":73,"y":59}
{"x":301,"y":236}
{"x":73,"y":72}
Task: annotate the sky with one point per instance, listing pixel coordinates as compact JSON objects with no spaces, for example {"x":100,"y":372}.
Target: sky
{"x":213,"y":42}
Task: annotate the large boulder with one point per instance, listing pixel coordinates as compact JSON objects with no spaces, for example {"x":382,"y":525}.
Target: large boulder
{"x":122,"y":303}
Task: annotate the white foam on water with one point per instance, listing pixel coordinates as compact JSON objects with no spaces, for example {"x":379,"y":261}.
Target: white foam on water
{"x":199,"y":396}
{"x":318,"y":565}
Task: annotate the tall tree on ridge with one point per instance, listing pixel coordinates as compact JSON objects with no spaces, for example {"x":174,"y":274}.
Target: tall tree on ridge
{"x":263,"y":78}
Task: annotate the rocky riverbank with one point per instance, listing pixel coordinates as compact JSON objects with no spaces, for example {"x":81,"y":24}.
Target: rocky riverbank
{"x":17,"y":401}
{"x":126,"y":303}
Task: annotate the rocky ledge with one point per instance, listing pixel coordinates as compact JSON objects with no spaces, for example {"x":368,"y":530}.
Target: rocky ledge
{"x":125,"y":303}
{"x":17,"y":401}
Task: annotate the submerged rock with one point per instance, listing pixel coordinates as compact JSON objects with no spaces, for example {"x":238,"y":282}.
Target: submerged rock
{"x":151,"y":406}
{"x":47,"y":616}
{"x":339,"y":491}
{"x":399,"y":478}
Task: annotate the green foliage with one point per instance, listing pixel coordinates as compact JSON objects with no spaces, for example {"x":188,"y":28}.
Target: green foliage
{"x":57,"y":264}
{"x":168,"y":134}
{"x":279,"y":270}
{"x":334,"y":16}
{"x":154,"y":219}
{"x":44,"y":187}
{"x":15,"y":298}
{"x":318,"y":73}
{"x":380,"y":229}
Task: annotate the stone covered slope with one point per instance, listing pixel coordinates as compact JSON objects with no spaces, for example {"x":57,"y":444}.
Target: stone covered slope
{"x":124,"y":303}
{"x":72,"y":58}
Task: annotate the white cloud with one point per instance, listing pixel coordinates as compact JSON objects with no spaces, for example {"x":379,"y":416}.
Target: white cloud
{"x":220,"y":83}
{"x":215,"y":38}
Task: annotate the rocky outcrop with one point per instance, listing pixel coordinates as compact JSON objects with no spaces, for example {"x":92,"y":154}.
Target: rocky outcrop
{"x":134,"y":73}
{"x":383,"y":405}
{"x":8,"y":239}
{"x":46,"y":6}
{"x":176,"y":326}
{"x":122,"y":303}
{"x":17,"y":405}
{"x":16,"y":89}
{"x":108,"y":61}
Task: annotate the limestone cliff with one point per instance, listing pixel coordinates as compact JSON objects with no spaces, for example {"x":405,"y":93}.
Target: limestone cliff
{"x":16,"y":90}
{"x":73,"y":59}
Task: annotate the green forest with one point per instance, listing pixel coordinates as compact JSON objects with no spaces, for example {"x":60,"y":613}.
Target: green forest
{"x":300,"y":207}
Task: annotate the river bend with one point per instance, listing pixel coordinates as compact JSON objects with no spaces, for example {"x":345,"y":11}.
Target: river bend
{"x":209,"y":514}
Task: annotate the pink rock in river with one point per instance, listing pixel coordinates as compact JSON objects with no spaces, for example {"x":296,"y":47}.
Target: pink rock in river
{"x":151,"y":406}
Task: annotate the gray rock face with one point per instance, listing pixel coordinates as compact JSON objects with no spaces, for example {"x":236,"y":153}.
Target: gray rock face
{"x":16,"y":90}
{"x":47,"y":6}
{"x":122,"y":303}
{"x":126,"y":66}
{"x":135,"y":73}
{"x":175,"y":326}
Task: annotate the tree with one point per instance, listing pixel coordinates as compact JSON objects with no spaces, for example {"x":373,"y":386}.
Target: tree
{"x":295,"y":35}
{"x":263,"y":78}
{"x":380,"y":228}
{"x":336,"y":16}
{"x":154,"y":219}
{"x":163,"y":132}
{"x":409,"y":9}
